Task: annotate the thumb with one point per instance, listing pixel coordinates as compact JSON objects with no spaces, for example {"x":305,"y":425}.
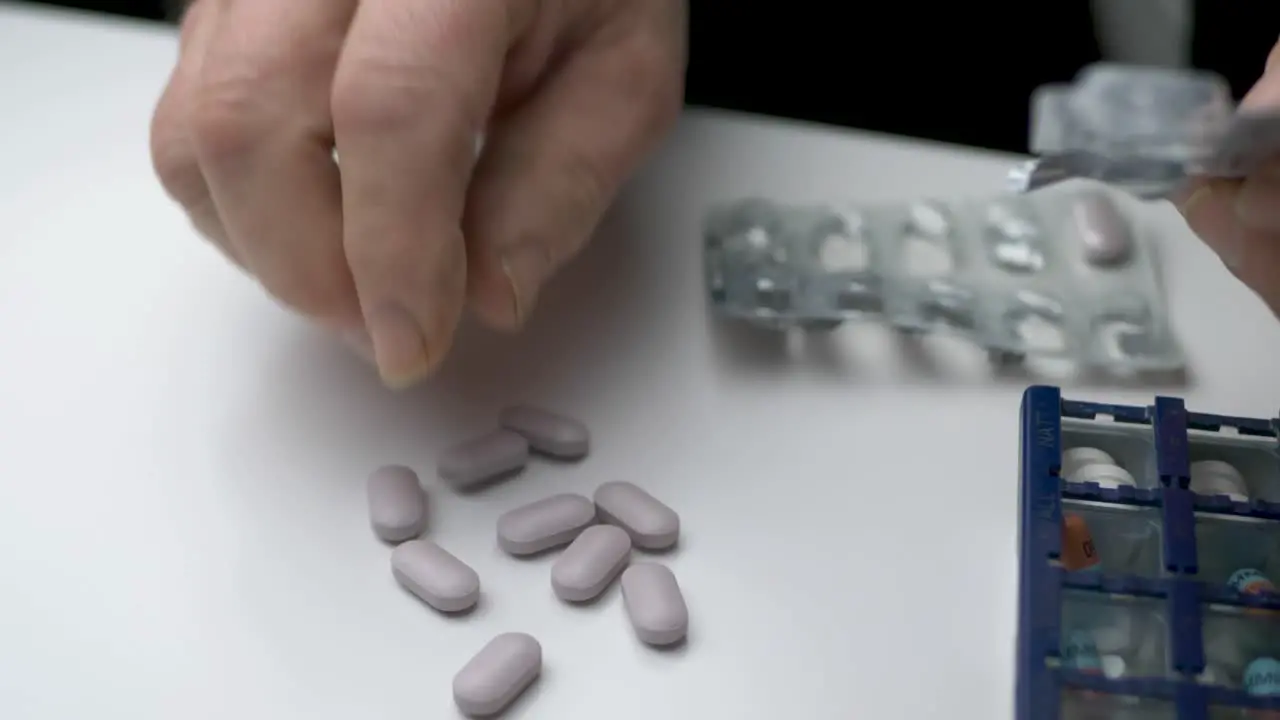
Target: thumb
{"x":550,"y":169}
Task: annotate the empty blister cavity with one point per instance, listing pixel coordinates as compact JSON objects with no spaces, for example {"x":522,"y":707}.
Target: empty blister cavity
{"x":1036,"y":324}
{"x":435,"y":576}
{"x":1254,"y":458}
{"x":397,"y":505}
{"x":1104,"y":234}
{"x":1226,"y":544}
{"x":1126,"y":538}
{"x":927,"y":250}
{"x":650,"y":523}
{"x":545,"y":524}
{"x":654,"y":604}
{"x":590,"y":563}
{"x":1129,"y":627}
{"x":547,"y":432}
{"x":1128,"y":445}
{"x":1013,"y":240}
{"x":485,"y":458}
{"x":497,"y":675}
{"x":948,"y":305}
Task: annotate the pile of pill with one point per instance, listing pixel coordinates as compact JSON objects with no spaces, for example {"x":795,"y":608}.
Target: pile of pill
{"x":597,"y":534}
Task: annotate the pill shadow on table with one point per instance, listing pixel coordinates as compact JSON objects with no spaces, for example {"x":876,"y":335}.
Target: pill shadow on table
{"x":938,"y":356}
{"x":475,"y":613}
{"x":525,"y":705}
{"x":742,"y":346}
{"x":480,"y":488}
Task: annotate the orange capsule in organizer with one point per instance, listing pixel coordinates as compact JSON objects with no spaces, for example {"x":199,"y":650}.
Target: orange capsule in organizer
{"x":1078,"y":551}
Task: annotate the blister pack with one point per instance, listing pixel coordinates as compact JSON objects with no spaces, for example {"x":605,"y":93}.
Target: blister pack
{"x":1068,"y":272}
{"x":1143,"y":129}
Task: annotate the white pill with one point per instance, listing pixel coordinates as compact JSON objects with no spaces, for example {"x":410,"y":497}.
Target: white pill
{"x":547,"y":432}
{"x":397,"y":506}
{"x":1078,"y":457}
{"x":590,"y":563}
{"x":1107,"y":476}
{"x":545,"y":524}
{"x":1113,"y":666}
{"x":1105,"y":235}
{"x":1215,"y":477}
{"x":654,"y":604}
{"x":496,"y":675}
{"x":929,"y":219}
{"x":485,"y":458}
{"x":651,"y":524}
{"x":438,"y":578}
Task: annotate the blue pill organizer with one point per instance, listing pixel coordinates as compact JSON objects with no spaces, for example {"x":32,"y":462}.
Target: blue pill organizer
{"x":1182,"y":605}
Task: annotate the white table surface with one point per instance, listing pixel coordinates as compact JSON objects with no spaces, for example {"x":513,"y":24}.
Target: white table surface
{"x":182,"y":519}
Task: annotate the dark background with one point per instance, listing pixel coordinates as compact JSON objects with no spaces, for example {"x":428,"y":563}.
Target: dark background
{"x":956,"y":72}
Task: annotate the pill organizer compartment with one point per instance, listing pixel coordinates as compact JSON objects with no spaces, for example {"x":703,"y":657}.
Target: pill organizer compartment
{"x":1125,"y":537}
{"x":1132,"y":628}
{"x":1087,"y":705}
{"x":1255,"y":457}
{"x":1227,"y":543}
{"x":1236,"y":636}
{"x":1130,"y":444}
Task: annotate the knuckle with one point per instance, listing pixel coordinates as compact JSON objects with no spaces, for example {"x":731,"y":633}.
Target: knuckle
{"x":655,"y":79}
{"x":224,"y":121}
{"x":377,"y":95}
{"x":174,"y":160}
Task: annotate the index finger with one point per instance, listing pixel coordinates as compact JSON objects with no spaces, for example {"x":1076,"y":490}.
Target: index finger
{"x":414,"y":87}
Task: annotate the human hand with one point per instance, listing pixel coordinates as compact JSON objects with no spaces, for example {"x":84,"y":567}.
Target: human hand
{"x":388,"y":244}
{"x":1240,"y":219}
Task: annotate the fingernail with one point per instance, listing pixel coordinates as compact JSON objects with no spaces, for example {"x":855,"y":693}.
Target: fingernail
{"x":399,"y":347}
{"x":525,"y":268}
{"x":1256,"y":204}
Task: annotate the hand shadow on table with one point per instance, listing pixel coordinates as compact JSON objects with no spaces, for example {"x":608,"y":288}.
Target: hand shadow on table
{"x":846,"y":353}
{"x":591,"y":325}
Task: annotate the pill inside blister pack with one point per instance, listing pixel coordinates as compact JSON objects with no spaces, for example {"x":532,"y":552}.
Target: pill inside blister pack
{"x":1069,"y":272}
{"x":1144,"y":129}
{"x":1113,"y":528}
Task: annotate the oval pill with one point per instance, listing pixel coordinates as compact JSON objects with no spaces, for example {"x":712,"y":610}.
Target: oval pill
{"x":651,"y":524}
{"x":489,"y":456}
{"x":1215,"y":477}
{"x":590,"y":563}
{"x":547,"y":432}
{"x":397,"y":505}
{"x":1105,"y":235}
{"x":1107,"y":476}
{"x":434,"y":575}
{"x":545,"y":524}
{"x":496,"y":675}
{"x":654,"y":604}
{"x":1078,"y":551}
{"x":1078,"y":457}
